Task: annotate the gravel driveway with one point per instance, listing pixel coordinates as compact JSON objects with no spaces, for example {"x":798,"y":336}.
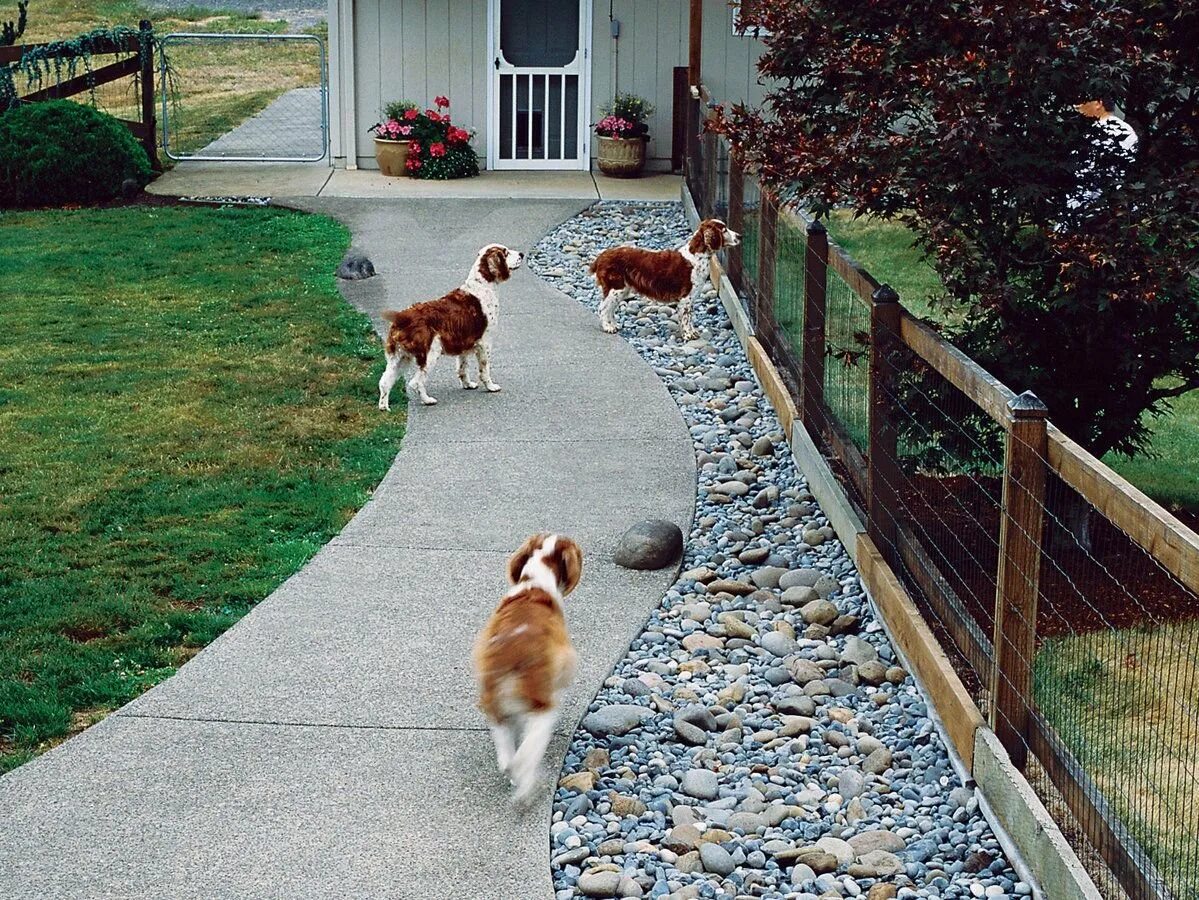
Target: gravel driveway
{"x":298,"y":13}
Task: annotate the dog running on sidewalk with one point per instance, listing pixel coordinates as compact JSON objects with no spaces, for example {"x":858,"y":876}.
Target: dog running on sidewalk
{"x":524,"y":658}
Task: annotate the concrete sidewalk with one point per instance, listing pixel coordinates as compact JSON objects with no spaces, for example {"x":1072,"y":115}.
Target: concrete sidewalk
{"x":327,"y":746}
{"x":232,"y":179}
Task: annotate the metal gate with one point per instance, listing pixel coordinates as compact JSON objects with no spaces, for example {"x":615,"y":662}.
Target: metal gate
{"x":245,"y":97}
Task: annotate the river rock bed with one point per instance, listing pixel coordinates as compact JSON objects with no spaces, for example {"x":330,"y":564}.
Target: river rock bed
{"x":760,"y":738}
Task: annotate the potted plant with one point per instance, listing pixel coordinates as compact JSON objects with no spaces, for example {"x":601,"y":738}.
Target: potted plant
{"x":440,"y":149}
{"x":393,"y":136}
{"x":622,"y":136}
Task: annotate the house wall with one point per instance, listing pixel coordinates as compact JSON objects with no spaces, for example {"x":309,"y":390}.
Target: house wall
{"x":416,"y":49}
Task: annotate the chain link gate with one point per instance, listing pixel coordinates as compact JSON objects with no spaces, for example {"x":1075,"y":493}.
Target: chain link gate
{"x":244,"y":97}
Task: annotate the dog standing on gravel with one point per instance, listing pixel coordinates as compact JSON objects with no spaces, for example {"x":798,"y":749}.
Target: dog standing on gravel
{"x":668,"y":276}
{"x":523,"y":657}
{"x":456,"y":324}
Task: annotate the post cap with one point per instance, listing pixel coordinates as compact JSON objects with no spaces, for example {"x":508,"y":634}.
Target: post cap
{"x":1027,"y":406}
{"x":816,"y":227}
{"x":884,"y":293}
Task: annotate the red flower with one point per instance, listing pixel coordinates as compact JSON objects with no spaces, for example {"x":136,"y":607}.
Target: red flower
{"x":413,"y":164}
{"x":442,"y":102}
{"x":458,"y":136}
{"x":413,"y":149}
{"x":410,"y":114}
{"x":434,"y":115}
{"x":437,"y":149}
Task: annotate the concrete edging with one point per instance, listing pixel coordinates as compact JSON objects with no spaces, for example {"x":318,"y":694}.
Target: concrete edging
{"x":1013,"y":802}
{"x":1023,"y":824}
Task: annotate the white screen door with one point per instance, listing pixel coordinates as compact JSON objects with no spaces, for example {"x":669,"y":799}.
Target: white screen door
{"x":539,"y":90}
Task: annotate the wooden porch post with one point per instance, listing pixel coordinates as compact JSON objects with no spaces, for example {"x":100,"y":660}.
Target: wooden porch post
{"x":696,"y":42}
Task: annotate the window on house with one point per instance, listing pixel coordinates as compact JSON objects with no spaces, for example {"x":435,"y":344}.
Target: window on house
{"x":745,"y":19}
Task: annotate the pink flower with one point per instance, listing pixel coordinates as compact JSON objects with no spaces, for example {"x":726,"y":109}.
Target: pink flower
{"x":414,"y":149}
{"x":410,"y":114}
{"x":403,"y":129}
{"x":437,"y":149}
{"x":442,"y":102}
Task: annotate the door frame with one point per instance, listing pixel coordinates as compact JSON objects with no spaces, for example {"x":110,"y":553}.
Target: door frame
{"x":586,"y":9}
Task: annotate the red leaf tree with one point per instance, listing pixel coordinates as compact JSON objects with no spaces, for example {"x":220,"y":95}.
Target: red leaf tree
{"x":958,"y":119}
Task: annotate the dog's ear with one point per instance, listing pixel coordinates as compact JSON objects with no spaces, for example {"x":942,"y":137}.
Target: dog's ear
{"x":708,"y":238}
{"x":571,"y":569}
{"x":494,"y":265}
{"x":713,"y":235}
{"x":521,"y":557}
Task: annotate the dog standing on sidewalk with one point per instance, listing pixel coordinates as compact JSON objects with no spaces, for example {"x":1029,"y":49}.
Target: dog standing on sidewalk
{"x":524,"y":658}
{"x":456,"y":324}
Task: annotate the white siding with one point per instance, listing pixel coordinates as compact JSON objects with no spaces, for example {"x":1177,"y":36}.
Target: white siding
{"x":728,"y":66}
{"x":417,"y":49}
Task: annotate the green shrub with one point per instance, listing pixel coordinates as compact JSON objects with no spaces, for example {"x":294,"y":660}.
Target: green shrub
{"x":62,"y":152}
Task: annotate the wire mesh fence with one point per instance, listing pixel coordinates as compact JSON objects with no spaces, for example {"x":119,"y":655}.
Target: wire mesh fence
{"x":1066,"y":600}
{"x":256,"y":97}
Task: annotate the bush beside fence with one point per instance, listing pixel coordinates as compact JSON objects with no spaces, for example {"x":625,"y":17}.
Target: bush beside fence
{"x":1064,"y":596}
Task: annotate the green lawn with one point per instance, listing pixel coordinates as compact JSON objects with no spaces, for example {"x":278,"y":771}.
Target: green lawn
{"x":186,"y":415}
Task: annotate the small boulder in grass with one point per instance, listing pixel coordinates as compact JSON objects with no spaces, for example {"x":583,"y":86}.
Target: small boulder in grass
{"x":355,"y":267}
{"x":652,"y":544}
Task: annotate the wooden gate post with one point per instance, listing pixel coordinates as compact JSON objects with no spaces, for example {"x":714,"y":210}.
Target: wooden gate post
{"x":768,"y":226}
{"x":1017,"y":583}
{"x":815,"y":292}
{"x":882,"y":471}
{"x":736,"y":217}
{"x":149,"y":118}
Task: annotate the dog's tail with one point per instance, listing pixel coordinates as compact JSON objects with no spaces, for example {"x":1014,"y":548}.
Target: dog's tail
{"x":392,"y":315}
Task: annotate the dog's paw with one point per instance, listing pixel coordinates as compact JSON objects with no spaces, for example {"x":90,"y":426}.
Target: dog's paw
{"x":384,"y":406}
{"x":493,"y":388}
{"x":469,"y":385}
{"x":609,"y":327}
{"x":690,"y":335}
{"x":429,"y":401}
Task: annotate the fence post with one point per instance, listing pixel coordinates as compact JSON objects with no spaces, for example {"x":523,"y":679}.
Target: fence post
{"x":768,"y":219}
{"x":736,"y":217}
{"x":149,"y":119}
{"x":711,"y":170}
{"x":815,"y":290}
{"x":882,"y":470}
{"x":1018,"y":581}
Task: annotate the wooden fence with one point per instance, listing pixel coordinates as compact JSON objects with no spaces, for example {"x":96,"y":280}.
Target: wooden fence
{"x":974,"y":499}
{"x":135,"y":52}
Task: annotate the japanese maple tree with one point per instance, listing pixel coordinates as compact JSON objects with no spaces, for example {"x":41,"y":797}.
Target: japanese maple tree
{"x":958,"y":119}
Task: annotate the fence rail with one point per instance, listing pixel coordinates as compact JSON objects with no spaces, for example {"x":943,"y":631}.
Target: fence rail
{"x":1066,"y":598}
{"x":136,"y":63}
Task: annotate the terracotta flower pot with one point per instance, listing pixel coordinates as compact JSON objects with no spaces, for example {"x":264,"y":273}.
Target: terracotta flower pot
{"x":622,"y":157}
{"x":392,"y":156}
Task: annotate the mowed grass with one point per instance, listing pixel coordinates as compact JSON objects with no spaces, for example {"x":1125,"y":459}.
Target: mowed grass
{"x":1124,"y":702}
{"x":186,"y":416}
{"x":214,"y":86}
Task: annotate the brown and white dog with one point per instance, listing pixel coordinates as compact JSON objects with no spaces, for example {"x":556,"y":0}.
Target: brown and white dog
{"x":456,"y":324}
{"x":669,"y":276}
{"x":523,"y":657}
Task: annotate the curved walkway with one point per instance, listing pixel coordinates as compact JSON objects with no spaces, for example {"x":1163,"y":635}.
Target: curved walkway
{"x":328,"y":746}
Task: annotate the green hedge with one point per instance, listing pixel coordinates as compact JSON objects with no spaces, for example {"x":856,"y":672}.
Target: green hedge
{"x":60,"y":152}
